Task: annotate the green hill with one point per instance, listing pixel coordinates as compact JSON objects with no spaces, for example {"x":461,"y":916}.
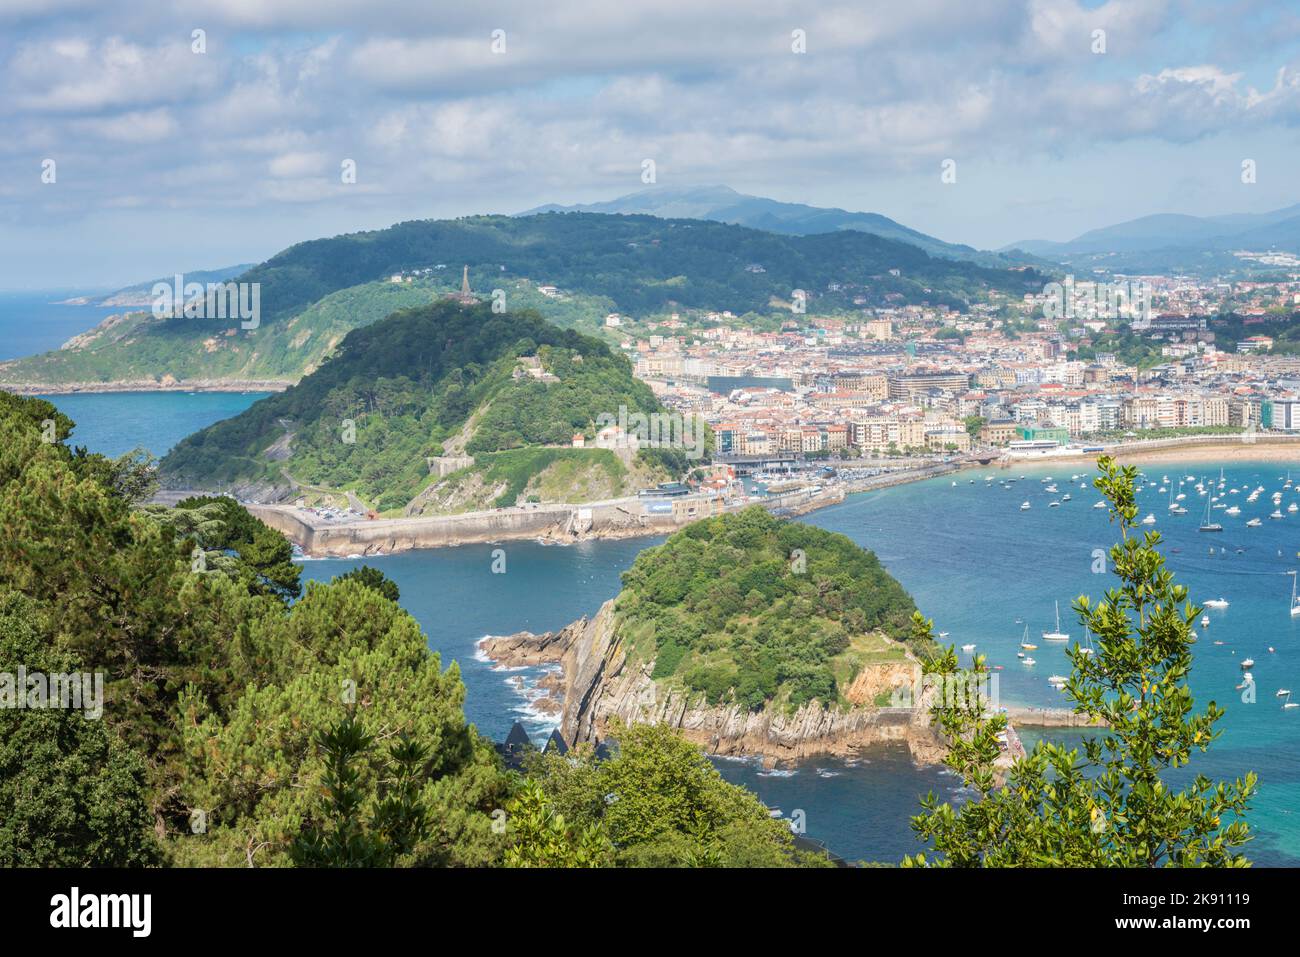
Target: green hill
{"x":749,"y":609}
{"x":315,"y":291}
{"x":507,"y":390}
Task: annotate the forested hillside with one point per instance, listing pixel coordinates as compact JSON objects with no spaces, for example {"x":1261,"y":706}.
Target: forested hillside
{"x":245,"y":721}
{"x":634,"y":264}
{"x":750,"y":609}
{"x":440,"y":379}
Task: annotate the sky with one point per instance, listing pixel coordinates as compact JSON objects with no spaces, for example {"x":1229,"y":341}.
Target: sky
{"x":145,"y":137}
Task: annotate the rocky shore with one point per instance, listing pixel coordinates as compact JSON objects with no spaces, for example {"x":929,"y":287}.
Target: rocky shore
{"x":598,"y":685}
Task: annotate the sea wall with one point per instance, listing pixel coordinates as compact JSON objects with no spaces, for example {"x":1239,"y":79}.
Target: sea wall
{"x":558,"y":523}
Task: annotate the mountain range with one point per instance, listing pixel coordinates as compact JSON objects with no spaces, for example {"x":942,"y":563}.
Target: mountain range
{"x":1173,"y":240}
{"x":725,"y":205}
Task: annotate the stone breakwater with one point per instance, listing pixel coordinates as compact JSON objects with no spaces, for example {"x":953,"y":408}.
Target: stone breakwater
{"x":599,"y":685}
{"x":623,"y":518}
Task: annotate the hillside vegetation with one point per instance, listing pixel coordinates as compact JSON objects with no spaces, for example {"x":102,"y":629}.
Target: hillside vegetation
{"x":751,"y":609}
{"x":315,"y":291}
{"x":440,"y":379}
{"x":246,"y":721}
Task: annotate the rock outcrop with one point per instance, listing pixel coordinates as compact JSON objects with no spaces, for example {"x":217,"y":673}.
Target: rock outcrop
{"x":601,"y":684}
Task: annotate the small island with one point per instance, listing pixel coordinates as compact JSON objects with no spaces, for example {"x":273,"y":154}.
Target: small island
{"x":751,"y":635}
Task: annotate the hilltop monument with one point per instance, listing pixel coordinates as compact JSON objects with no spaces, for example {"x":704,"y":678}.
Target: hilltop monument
{"x":465,"y":295}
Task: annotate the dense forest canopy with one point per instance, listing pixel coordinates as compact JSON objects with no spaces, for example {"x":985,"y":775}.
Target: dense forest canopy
{"x":640,"y":262}
{"x":750,"y":608}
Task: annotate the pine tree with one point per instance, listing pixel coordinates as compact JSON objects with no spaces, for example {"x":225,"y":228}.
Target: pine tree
{"x":1110,"y":805}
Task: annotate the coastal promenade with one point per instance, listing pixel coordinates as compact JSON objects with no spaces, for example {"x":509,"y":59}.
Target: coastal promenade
{"x":625,"y":517}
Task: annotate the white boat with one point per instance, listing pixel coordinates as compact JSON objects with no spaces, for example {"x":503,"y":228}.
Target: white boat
{"x":1247,"y":663}
{"x":1028,"y":661}
{"x":1216,"y":603}
{"x":1283,"y":692}
{"x":968,"y":648}
{"x":1295,"y":605}
{"x":1024,"y":506}
{"x":1100,"y":505}
{"x":1066,"y":497}
{"x":1056,"y":635}
{"x":1254,"y":523}
{"x":1232,"y":510}
{"x":1149,"y":520}
{"x":1276,"y":513}
{"x":1205,"y":621}
{"x":1053,"y":504}
{"x":1293,"y":507}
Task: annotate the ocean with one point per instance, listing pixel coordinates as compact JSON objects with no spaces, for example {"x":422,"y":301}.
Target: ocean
{"x":111,"y":423}
{"x":33,"y":322}
{"x":981,"y":567}
{"x":117,"y":422}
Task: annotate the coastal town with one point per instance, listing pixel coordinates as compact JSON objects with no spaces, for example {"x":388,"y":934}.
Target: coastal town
{"x":1181,"y":357}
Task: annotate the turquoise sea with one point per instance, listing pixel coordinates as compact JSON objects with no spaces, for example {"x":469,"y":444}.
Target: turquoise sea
{"x":117,"y":422}
{"x":969,"y":556}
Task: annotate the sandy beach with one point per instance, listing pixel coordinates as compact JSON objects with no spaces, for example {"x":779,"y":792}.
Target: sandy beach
{"x":1224,"y":449}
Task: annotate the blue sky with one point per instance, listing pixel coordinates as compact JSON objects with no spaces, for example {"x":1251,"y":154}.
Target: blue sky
{"x":168,"y":159}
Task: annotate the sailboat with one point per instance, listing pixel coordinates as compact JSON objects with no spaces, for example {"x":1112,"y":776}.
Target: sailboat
{"x":1056,"y":635}
{"x":1024,"y":641}
{"x":1207,"y":525}
{"x":1086,"y":648}
{"x":1295,"y":606}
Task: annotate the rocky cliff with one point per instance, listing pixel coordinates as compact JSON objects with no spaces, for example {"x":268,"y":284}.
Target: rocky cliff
{"x":600,"y":685}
